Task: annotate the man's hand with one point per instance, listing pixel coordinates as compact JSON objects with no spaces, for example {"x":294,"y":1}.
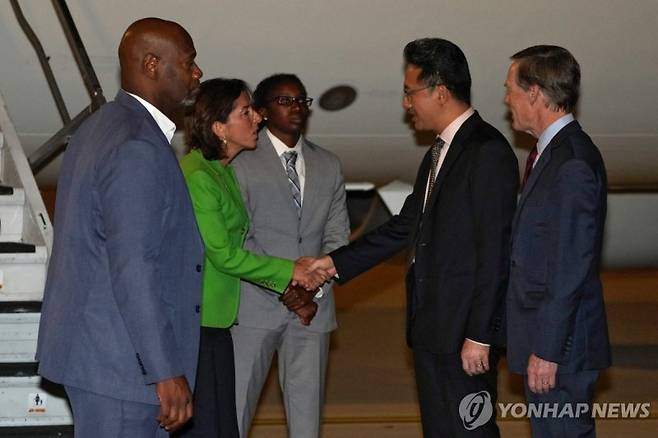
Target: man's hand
{"x":475,"y":358}
{"x":307,"y":312}
{"x":324,"y":262}
{"x":541,"y":374}
{"x":175,"y":403}
{"x":309,"y":274}
{"x":296,"y":297}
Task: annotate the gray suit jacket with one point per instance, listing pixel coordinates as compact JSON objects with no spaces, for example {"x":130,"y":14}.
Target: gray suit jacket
{"x":276,"y":230}
{"x":121,"y":303}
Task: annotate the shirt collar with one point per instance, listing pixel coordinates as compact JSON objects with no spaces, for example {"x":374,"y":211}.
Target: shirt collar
{"x":167,"y":127}
{"x":448,"y":134}
{"x":550,"y":132}
{"x":280,"y":147}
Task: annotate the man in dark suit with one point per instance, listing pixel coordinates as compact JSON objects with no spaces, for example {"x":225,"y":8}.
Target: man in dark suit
{"x":120,"y":317}
{"x":557,"y":330}
{"x":456,"y":223}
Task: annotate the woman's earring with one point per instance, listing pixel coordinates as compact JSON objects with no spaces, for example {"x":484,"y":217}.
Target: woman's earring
{"x":223,"y":140}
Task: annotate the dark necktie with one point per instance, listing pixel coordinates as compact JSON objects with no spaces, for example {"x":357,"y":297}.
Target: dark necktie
{"x":289,"y":159}
{"x":436,"y":154}
{"x":528,"y":165}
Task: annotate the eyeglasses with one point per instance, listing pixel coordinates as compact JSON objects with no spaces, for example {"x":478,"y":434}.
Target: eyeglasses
{"x":290,"y":100}
{"x":409,"y":93}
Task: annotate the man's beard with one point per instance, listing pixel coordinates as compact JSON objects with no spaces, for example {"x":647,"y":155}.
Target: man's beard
{"x":188,"y":102}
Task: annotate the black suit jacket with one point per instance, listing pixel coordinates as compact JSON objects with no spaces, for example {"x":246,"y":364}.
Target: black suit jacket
{"x":555,"y":303}
{"x":457,"y":285}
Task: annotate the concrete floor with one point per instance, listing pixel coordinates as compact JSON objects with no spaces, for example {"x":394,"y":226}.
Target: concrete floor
{"x":370,"y":385}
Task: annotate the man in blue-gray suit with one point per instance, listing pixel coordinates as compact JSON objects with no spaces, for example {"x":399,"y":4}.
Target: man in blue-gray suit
{"x":557,"y":333}
{"x":120,"y":318}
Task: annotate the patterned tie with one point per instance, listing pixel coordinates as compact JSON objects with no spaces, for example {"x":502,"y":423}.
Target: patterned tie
{"x":436,"y":154}
{"x":289,"y":158}
{"x":528,"y":165}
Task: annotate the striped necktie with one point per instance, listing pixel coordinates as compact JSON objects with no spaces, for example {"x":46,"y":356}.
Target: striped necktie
{"x":436,"y":154}
{"x":289,"y":158}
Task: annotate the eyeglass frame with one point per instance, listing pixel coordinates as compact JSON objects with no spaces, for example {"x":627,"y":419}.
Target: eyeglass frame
{"x":406,"y":94}
{"x":301,"y":101}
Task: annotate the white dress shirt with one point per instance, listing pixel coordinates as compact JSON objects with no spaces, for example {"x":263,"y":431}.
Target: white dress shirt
{"x":280,"y":148}
{"x":167,"y":127}
{"x":550,"y":132}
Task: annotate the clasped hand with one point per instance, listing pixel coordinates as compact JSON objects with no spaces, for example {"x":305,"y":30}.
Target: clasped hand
{"x":309,"y":274}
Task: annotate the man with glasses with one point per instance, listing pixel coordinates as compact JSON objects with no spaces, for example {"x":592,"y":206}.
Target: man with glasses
{"x":456,"y":223}
{"x":295,"y":195}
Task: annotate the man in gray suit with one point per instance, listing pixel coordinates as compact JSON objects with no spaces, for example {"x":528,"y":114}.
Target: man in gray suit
{"x":120,"y":317}
{"x":295,"y":195}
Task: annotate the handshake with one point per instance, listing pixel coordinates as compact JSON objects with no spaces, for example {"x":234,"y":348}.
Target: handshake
{"x":308,"y":275}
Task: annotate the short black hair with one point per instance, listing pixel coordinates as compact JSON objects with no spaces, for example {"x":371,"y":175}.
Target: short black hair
{"x":554,"y":70}
{"x":441,"y":63}
{"x":214,"y":103}
{"x":263,"y":89}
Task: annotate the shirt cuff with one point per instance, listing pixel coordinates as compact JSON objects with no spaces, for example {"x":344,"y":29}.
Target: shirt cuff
{"x":479,"y":343}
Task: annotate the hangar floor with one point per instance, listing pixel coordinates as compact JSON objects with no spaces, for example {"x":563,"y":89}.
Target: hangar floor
{"x":370,"y":388}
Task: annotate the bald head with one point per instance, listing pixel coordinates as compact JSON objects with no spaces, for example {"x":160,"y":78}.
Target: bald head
{"x":157,"y":63}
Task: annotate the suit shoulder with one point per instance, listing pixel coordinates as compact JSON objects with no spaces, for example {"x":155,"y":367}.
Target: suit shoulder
{"x":323,"y":153}
{"x":577,"y":145}
{"x":489,"y":141}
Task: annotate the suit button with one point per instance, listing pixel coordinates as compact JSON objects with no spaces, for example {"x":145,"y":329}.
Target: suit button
{"x":300,"y":240}
{"x":197,"y":308}
{"x":198,"y":268}
{"x":513,"y":263}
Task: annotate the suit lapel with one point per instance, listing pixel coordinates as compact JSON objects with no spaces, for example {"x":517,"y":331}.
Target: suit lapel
{"x":543,"y":161}
{"x":311,"y":183}
{"x":127,"y":100}
{"x":454,"y":151}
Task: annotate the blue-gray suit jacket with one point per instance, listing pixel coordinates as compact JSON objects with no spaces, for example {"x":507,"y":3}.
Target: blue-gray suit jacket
{"x":121,"y":304}
{"x":555,"y":302}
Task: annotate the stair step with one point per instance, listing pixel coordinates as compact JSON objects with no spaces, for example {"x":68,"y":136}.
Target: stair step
{"x":23,"y":274}
{"x":16,"y":247}
{"x":12,"y":213}
{"x":32,"y":401}
{"x":18,"y":338}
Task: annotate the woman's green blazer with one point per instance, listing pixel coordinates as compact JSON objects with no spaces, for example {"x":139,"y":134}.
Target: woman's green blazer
{"x":223,"y":223}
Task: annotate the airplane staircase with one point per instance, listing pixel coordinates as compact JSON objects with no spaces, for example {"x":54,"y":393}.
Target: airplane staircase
{"x":29,"y":406}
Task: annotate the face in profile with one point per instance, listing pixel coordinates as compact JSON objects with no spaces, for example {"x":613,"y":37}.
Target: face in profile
{"x":517,"y":100}
{"x":180,"y":73}
{"x":286,"y":109}
{"x":241,"y":128}
{"x":417,"y":100}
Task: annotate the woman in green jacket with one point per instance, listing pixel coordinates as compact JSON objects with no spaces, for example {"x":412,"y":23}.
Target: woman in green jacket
{"x":223,"y":124}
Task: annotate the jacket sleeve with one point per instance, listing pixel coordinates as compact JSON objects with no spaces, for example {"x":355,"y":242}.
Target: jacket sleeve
{"x":572,"y":228}
{"x":207,"y":197}
{"x":494,"y":186}
{"x":133,"y":194}
{"x":386,"y":240}
{"x":337,"y":227}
